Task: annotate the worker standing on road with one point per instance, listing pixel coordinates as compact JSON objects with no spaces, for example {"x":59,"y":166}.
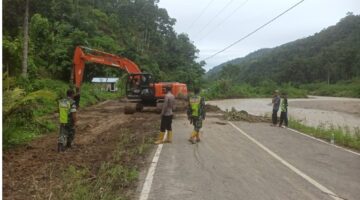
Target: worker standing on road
{"x":166,"y":116}
{"x":67,"y":115}
{"x":284,"y":109}
{"x":196,"y":114}
{"x":276,"y":104}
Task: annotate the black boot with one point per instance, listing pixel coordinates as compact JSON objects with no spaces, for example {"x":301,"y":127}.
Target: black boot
{"x":68,"y":144}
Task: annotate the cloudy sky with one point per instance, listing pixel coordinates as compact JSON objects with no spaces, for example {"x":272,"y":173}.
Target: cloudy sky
{"x":214,"y":24}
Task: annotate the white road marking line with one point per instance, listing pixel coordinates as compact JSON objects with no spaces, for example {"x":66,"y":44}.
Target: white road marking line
{"x":317,"y":139}
{"x":294,"y":169}
{"x":144,"y":195}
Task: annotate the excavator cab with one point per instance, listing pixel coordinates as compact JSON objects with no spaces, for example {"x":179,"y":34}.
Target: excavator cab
{"x":140,"y":86}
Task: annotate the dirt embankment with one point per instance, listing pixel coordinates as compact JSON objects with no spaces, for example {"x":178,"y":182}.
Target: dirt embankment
{"x":34,"y":170}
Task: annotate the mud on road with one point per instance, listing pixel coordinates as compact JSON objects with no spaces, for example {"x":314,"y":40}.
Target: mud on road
{"x":34,"y":170}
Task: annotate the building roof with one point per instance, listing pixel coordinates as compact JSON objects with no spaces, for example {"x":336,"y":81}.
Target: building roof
{"x":104,"y":80}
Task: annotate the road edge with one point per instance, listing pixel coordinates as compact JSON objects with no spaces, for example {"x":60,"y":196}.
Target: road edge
{"x":288,"y":165}
{"x":322,"y":141}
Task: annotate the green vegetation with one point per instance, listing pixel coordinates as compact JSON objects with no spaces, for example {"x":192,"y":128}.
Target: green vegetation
{"x":350,"y":88}
{"x":330,"y":58}
{"x":341,"y":136}
{"x":113,"y":179}
{"x":223,"y":89}
{"x":28,"y":105}
{"x":138,"y":30}
{"x":109,"y":180}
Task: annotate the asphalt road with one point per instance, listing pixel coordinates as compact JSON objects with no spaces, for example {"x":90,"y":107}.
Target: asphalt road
{"x":226,"y":164}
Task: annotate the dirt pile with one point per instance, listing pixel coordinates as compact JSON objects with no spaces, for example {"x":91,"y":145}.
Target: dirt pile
{"x":234,"y":115}
{"x":212,"y":108}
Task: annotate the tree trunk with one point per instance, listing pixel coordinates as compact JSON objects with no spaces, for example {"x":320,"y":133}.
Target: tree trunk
{"x":26,"y":41}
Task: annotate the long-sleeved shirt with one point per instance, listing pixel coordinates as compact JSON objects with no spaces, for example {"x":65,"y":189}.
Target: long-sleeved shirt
{"x":168,"y":106}
{"x":276,"y":102}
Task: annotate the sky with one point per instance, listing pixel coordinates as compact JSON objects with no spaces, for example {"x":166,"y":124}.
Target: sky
{"x":213,"y":25}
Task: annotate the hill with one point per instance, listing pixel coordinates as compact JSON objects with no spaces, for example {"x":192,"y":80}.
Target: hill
{"x":139,"y":30}
{"x":214,"y":72}
{"x":328,"y":56}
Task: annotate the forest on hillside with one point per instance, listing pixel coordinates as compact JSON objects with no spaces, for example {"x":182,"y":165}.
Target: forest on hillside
{"x":329,"y":56}
{"x":36,"y":75}
{"x":135,"y":29}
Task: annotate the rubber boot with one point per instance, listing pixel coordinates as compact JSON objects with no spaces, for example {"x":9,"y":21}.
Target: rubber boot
{"x":169,"y":137}
{"x":161,"y":138}
{"x":198,"y":136}
{"x":191,"y":139}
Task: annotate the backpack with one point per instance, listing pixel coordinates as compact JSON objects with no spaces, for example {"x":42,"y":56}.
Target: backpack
{"x":64,"y":110}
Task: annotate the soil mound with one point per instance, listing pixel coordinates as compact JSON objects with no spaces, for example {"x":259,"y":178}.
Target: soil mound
{"x":234,"y":115}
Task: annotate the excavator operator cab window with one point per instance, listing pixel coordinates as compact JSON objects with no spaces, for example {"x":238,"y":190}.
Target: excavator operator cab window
{"x":146,"y":79}
{"x":139,"y":84}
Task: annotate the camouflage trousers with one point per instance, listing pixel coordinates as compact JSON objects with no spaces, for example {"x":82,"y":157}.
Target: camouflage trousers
{"x":197,"y":122}
{"x":67,"y":133}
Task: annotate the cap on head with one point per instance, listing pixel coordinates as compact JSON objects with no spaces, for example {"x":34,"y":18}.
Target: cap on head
{"x":276,"y":91}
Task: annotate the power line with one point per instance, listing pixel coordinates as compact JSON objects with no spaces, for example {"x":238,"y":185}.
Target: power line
{"x":225,"y":19}
{"x":212,"y":19}
{"x":201,"y":13}
{"x":246,"y":36}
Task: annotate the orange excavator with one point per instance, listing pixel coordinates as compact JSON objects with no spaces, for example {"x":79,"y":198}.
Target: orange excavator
{"x":141,"y":90}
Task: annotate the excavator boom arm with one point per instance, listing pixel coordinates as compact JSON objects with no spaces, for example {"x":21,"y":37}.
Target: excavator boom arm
{"x":96,"y":56}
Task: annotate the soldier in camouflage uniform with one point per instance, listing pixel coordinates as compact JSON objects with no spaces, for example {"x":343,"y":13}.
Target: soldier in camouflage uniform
{"x":67,"y":115}
{"x":196,"y":114}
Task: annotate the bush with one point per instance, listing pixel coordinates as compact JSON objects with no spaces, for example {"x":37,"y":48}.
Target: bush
{"x":28,"y":102}
{"x":225,"y":89}
{"x":340,"y":89}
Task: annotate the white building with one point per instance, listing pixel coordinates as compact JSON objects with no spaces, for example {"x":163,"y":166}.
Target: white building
{"x":105,"y":83}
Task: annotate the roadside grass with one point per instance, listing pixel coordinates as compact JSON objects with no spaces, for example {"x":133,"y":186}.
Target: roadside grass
{"x":31,"y":105}
{"x":114,"y":180}
{"x":341,"y":136}
{"x":350,"y":88}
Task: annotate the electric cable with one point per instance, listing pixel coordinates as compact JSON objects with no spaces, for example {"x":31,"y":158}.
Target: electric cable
{"x":225,"y":19}
{"x":201,"y":13}
{"x":249,"y":34}
{"x":212,"y":19}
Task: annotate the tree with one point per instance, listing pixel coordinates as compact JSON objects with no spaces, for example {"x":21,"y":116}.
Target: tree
{"x":26,"y":40}
{"x":138,"y":30}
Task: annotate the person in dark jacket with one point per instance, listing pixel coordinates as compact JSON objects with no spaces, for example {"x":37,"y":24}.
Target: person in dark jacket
{"x":276,"y":104}
{"x":77,"y":98}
